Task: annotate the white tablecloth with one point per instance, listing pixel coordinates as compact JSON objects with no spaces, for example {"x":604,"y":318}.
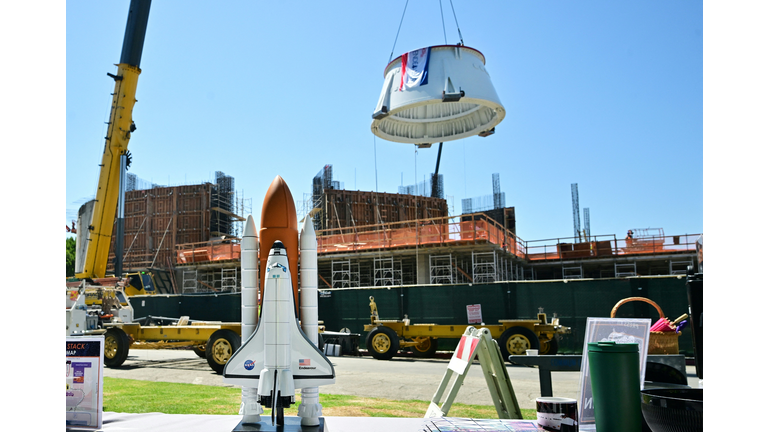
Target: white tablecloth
{"x":151,"y":422}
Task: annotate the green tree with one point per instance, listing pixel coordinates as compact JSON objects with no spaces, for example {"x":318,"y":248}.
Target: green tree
{"x":70,"y":256}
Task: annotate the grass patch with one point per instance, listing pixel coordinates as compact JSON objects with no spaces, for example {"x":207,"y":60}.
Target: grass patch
{"x":134,"y":396}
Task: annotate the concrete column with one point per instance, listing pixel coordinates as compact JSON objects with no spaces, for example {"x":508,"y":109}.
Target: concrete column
{"x":422,"y":270}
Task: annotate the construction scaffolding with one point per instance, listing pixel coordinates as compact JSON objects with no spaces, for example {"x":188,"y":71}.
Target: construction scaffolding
{"x":441,"y":270}
{"x":345,"y":274}
{"x":387,"y":272}
{"x":210,"y":280}
{"x":484,"y":268}
{"x":223,"y":205}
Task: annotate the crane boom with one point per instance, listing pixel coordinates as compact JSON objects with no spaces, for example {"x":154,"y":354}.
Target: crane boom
{"x":99,"y":215}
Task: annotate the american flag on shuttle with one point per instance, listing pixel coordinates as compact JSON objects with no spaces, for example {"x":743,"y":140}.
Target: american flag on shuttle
{"x":414,"y":68}
{"x":304,"y":362}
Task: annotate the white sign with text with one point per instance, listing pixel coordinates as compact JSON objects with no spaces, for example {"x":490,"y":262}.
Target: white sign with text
{"x":474,"y":314}
{"x":85,"y":381}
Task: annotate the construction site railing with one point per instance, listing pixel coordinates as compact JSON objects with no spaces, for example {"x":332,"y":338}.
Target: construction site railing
{"x":608,"y":245}
{"x":448,"y":230}
{"x":212,"y":250}
{"x":479,"y":228}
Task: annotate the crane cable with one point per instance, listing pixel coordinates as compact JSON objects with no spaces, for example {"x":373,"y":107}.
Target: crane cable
{"x":398,"y":32}
{"x":445,"y":37}
{"x":457,"y":22}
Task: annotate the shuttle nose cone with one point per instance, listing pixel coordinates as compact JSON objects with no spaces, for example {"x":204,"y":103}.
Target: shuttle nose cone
{"x":278,"y":210}
{"x":277,"y":249}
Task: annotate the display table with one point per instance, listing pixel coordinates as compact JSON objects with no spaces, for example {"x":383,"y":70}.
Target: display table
{"x":224,"y":423}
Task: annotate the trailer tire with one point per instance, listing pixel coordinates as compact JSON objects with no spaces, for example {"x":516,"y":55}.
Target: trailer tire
{"x":220,"y":347}
{"x":549,"y":347}
{"x":199,"y":350}
{"x":382,"y":343}
{"x":426,"y":349}
{"x":116,"y":344}
{"x":515,"y":340}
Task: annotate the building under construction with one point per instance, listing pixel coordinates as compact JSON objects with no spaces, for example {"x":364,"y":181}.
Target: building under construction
{"x":381,"y":239}
{"x":193,"y":228}
{"x":376,"y":239}
{"x":476,"y":248}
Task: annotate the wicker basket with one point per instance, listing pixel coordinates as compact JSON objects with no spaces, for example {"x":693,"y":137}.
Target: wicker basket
{"x":659,"y":342}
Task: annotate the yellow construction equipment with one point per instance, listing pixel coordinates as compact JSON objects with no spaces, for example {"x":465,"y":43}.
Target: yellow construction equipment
{"x":387,"y":337}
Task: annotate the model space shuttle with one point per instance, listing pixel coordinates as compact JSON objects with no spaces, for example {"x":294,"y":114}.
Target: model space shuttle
{"x":277,"y":356}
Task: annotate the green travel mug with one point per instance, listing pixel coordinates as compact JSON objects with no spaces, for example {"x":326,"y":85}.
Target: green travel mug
{"x":614,"y":371}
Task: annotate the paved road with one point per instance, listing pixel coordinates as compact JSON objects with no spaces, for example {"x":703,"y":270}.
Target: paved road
{"x":399,"y":378}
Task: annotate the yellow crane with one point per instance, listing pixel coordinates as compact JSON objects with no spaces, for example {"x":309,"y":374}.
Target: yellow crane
{"x":94,"y":309}
{"x":97,"y":217}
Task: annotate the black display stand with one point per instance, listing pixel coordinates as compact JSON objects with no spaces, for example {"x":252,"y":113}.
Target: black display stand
{"x":292,"y":424}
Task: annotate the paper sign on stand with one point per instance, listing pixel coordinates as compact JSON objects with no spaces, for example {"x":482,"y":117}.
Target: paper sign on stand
{"x":85,"y":382}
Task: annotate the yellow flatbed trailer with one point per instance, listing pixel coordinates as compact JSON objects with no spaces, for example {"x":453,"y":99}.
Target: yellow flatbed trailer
{"x":216,"y":342}
{"x":386,"y":337}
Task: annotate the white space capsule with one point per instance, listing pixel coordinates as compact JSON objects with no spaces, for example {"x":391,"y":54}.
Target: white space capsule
{"x":436,"y":94}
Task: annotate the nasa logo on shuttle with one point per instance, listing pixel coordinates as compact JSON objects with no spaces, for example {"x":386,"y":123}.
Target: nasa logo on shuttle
{"x":248,"y":365}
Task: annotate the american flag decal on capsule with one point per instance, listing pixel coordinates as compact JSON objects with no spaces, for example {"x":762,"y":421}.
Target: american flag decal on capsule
{"x":304,"y":362}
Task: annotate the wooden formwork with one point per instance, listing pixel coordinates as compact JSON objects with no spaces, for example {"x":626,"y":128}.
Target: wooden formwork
{"x":344,"y":208}
{"x":158,"y":219}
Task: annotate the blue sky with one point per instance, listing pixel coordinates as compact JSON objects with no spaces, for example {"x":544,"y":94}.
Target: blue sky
{"x":605,"y":94}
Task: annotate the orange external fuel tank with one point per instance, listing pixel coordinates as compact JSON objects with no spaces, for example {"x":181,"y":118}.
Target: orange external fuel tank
{"x":278,"y":222}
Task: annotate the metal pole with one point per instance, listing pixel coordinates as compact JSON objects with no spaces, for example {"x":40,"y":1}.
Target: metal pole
{"x":120,"y":222}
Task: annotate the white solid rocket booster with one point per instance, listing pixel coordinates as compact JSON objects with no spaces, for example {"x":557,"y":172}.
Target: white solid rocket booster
{"x":250,"y":408}
{"x":310,"y":409}
{"x":249,"y":276}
